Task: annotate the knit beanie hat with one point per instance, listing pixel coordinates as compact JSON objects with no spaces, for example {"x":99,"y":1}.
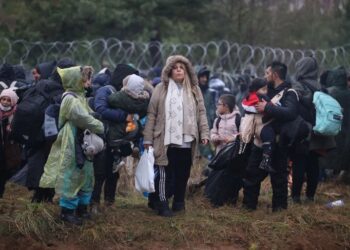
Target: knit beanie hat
{"x":257,"y":84}
{"x":10,"y":93}
{"x":134,"y":85}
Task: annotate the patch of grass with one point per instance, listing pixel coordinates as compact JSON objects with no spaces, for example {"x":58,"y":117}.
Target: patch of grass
{"x":129,"y":224}
{"x":37,"y":221}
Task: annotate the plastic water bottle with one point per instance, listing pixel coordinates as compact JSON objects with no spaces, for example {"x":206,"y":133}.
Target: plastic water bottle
{"x":337,"y":203}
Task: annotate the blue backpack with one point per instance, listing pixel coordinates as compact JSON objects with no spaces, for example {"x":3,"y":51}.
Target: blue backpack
{"x":329,"y":115}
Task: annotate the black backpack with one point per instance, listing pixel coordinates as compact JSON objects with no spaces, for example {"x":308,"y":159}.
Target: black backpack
{"x":29,"y":117}
{"x":52,"y":112}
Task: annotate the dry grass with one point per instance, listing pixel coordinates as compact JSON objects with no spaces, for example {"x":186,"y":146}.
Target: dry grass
{"x":131,"y":225}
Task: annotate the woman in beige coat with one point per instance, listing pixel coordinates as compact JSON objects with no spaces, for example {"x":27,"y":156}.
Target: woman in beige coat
{"x":176,"y":123}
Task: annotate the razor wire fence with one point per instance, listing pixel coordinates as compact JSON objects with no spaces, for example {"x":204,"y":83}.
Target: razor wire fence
{"x":224,"y":57}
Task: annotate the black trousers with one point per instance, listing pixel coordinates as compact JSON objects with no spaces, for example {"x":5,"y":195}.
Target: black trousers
{"x":43,"y":195}
{"x":172,"y":180}
{"x":279,"y":179}
{"x":306,"y":163}
{"x":103,"y":166}
{"x":267,"y":136}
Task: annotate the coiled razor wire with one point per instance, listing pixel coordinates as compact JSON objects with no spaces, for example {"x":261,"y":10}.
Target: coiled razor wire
{"x":222,"y":56}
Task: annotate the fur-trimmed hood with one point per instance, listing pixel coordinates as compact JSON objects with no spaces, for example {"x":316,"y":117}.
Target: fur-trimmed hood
{"x":170,"y":62}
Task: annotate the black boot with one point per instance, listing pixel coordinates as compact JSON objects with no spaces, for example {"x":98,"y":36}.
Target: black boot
{"x":82,"y":212}
{"x":164,"y":210}
{"x":48,"y":195}
{"x":178,"y":206}
{"x":152,"y":201}
{"x":68,"y":215}
{"x":38,"y":195}
{"x":265,"y":164}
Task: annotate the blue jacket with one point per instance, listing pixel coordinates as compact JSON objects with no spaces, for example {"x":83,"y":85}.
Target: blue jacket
{"x":101,"y":106}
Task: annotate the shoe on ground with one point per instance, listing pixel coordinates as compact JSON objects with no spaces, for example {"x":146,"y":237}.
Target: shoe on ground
{"x":164,"y":210}
{"x":67,"y":215}
{"x":82,"y":212}
{"x":178,"y":207}
{"x":152,"y":205}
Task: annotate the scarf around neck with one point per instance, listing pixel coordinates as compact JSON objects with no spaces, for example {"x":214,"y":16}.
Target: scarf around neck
{"x":5,"y":112}
{"x":179,"y":103}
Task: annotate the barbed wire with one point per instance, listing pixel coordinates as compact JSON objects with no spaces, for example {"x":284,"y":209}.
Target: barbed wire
{"x":220,"y":56}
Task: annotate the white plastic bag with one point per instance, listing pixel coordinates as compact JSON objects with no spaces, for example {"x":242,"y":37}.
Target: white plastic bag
{"x":144,"y":175}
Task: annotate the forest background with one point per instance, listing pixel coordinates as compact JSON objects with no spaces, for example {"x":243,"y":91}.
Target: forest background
{"x":311,"y":24}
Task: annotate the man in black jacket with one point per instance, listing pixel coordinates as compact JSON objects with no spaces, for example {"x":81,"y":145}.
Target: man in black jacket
{"x":286,"y":110}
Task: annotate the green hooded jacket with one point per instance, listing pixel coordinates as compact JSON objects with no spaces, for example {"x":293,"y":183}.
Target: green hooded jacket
{"x":60,"y":171}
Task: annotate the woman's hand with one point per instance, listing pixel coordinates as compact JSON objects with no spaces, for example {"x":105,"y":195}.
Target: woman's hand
{"x":204,"y":141}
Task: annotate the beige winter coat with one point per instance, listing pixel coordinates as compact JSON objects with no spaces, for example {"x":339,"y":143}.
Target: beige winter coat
{"x":154,"y":131}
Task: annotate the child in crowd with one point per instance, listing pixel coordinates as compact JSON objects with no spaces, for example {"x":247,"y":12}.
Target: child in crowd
{"x":256,"y":124}
{"x":225,"y":129}
{"x":132,"y":98}
{"x":8,"y":104}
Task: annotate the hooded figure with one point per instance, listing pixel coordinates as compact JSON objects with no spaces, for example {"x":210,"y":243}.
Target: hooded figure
{"x":336,"y":83}
{"x":45,"y":69}
{"x":19,"y":72}
{"x":307,"y":72}
{"x":74,"y":184}
{"x":7,"y":75}
{"x":208,"y":95}
{"x":209,"y":102}
{"x":120,"y":72}
{"x":176,"y":124}
{"x":305,"y":154}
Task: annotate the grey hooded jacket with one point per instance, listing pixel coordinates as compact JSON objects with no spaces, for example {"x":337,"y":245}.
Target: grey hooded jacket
{"x":307,"y":73}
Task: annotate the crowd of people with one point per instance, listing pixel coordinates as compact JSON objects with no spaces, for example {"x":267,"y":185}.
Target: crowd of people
{"x":66,"y":130}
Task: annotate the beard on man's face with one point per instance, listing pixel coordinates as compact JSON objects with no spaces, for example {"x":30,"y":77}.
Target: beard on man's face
{"x":270,"y":84}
